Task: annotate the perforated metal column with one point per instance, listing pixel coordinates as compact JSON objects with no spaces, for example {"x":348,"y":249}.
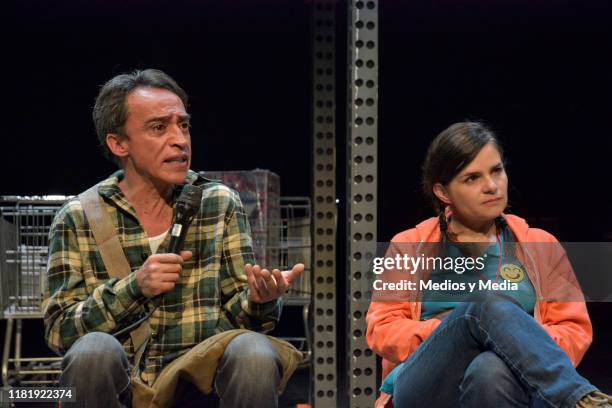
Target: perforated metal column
{"x":324,"y":374}
{"x":362,"y":138}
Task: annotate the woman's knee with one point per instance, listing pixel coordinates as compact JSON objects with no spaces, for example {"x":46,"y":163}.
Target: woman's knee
{"x":488,"y":378}
{"x":489,"y":381}
{"x":485,"y":369}
{"x":493,"y":302}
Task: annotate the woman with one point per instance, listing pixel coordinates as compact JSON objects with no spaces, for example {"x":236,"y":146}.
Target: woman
{"x":512,"y":349}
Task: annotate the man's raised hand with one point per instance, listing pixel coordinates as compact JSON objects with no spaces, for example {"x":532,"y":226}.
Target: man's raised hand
{"x":265,"y":286}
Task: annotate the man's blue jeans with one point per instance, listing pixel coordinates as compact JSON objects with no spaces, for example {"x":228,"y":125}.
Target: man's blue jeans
{"x":248,"y":375}
{"x":489,"y":353}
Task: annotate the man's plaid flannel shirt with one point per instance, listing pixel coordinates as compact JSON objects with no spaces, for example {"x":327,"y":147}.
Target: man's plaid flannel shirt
{"x":210,"y":297}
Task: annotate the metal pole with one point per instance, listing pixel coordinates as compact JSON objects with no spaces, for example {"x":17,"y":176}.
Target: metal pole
{"x":361,"y":186}
{"x":324,"y":367}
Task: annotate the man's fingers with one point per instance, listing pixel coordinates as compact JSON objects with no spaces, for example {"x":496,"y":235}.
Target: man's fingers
{"x":250,"y":273}
{"x":172,"y":258}
{"x":167,"y":258}
{"x":269,"y":280}
{"x":170,"y":277}
{"x":256,"y":270}
{"x":293,"y":273}
{"x":186,"y":255}
{"x":260,"y":277}
{"x":268,"y":285}
{"x":170,"y":268}
{"x":253,"y":289}
{"x":281,"y":284}
{"x":267,"y":276}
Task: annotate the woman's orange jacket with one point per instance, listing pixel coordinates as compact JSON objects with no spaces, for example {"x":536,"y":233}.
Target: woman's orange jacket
{"x":395,"y":329}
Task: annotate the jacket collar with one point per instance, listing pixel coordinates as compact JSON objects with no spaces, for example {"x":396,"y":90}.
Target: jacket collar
{"x":429,"y":230}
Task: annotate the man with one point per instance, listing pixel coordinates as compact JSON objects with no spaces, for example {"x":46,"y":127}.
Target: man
{"x":210,"y":288}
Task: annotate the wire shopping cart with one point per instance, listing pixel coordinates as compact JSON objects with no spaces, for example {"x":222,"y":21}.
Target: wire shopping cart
{"x":24,"y":230}
{"x":295,"y":247}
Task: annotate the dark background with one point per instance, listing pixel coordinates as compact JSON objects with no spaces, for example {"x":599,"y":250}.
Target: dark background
{"x":538,"y":72}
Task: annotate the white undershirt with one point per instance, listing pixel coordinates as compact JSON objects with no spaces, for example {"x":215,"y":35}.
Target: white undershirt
{"x":155,"y":241}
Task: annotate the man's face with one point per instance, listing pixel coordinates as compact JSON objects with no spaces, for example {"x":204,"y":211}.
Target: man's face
{"x":158,"y":142}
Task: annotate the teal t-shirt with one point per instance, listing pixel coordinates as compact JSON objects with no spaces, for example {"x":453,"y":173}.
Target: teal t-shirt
{"x":434,"y":302}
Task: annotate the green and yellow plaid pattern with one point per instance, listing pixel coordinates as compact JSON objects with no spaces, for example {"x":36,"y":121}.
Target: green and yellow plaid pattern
{"x":210,"y":297}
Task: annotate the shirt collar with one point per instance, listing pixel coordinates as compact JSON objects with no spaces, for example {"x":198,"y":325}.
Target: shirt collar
{"x":110,"y":190}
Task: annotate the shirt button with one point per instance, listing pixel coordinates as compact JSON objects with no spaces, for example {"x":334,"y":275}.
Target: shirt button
{"x":153,"y":333}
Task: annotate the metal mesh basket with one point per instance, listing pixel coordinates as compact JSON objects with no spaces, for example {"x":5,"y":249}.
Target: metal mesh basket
{"x":295,"y":245}
{"x":24,"y":230}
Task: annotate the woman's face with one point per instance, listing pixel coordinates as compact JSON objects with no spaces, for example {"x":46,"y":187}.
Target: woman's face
{"x":479,"y":193}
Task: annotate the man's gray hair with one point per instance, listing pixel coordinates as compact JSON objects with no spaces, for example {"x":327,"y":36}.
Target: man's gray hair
{"x":110,"y":110}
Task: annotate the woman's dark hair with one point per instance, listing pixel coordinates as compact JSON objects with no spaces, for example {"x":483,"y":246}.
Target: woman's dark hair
{"x":450,"y":152}
{"x":110,"y":111}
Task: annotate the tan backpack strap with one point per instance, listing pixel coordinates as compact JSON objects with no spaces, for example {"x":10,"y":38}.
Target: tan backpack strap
{"x":115,"y":261}
{"x":103,"y":229}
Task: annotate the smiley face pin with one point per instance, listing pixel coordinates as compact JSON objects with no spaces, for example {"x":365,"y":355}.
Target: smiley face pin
{"x":512,"y":273}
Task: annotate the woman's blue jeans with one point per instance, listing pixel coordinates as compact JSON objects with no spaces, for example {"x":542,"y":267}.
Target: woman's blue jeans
{"x":489,"y":353}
